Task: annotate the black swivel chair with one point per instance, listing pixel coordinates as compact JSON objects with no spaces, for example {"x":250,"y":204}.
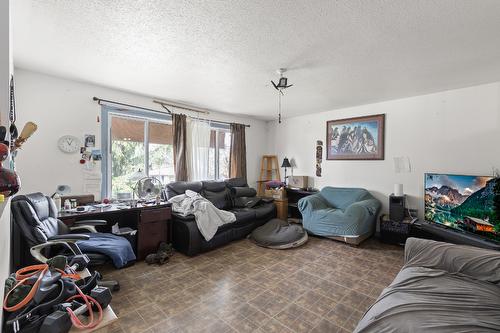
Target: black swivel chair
{"x":37,"y":228}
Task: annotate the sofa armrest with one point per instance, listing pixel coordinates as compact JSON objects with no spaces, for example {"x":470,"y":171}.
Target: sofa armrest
{"x":477,"y":263}
{"x":312,"y":203}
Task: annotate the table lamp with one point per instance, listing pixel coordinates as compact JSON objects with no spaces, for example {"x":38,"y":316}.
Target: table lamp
{"x":286,"y":164}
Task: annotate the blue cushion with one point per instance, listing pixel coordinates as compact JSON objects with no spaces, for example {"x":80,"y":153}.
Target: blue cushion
{"x":340,"y":197}
{"x":115,"y":247}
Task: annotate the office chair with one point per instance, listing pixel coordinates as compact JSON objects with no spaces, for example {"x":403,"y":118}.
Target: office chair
{"x":35,"y":219}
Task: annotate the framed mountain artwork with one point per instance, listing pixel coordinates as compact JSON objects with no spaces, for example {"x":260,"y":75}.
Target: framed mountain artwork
{"x":360,"y":138}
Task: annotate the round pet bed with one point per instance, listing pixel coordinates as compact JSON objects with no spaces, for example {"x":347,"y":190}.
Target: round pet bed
{"x":278,"y":234}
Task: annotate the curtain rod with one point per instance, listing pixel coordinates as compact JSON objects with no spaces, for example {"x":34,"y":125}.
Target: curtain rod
{"x":100,"y":100}
{"x":179,"y":106}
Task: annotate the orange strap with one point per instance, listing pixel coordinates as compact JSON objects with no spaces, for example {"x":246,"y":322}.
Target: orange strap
{"x":23,"y":274}
{"x":73,"y":276}
{"x":29,"y":271}
{"x":88,"y":302}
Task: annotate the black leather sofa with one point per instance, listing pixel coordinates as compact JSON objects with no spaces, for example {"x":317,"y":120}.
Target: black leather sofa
{"x":186,"y":237}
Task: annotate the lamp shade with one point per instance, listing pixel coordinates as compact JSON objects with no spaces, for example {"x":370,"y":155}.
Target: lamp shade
{"x":286,"y":163}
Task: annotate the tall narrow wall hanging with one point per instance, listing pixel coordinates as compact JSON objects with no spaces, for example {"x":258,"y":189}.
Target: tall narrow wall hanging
{"x":319,"y":157}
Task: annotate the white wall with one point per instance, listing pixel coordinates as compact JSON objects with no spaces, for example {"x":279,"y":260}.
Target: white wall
{"x":6,"y":69}
{"x":60,"y":106}
{"x":456,"y":131}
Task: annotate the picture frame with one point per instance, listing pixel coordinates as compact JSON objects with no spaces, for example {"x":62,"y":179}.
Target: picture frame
{"x":357,"y":138}
{"x":89,"y":140}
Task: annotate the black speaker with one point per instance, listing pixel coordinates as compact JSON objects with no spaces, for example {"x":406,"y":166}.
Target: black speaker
{"x":397,"y":208}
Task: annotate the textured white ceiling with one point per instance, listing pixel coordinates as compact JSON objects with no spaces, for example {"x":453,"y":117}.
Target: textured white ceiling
{"x":222,"y":54}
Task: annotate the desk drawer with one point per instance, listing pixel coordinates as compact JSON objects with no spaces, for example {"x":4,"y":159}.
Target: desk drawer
{"x":151,"y":234}
{"x":157,"y":214}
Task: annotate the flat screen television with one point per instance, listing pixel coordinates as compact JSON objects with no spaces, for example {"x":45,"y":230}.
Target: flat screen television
{"x":464,"y":203}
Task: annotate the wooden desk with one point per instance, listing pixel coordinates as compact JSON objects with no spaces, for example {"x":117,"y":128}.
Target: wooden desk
{"x":153,"y":224}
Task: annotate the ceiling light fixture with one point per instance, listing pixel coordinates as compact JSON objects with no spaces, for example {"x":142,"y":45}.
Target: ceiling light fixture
{"x":282,"y":85}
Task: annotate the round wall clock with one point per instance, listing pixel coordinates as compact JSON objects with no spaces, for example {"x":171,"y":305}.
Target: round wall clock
{"x":69,"y":144}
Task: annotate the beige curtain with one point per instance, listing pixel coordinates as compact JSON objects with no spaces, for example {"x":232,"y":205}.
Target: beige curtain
{"x":179,"y":140}
{"x":238,"y":154}
{"x":198,"y":147}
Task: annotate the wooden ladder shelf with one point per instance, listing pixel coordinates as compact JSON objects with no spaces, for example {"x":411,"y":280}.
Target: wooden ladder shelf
{"x":269,"y":170}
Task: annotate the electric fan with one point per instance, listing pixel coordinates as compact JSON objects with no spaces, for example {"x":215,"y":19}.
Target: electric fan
{"x":148,"y":188}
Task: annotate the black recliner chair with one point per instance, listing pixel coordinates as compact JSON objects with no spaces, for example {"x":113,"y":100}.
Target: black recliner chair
{"x":38,"y":229}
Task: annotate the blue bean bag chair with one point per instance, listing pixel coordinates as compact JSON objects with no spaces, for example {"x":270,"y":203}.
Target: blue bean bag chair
{"x":345,"y":214}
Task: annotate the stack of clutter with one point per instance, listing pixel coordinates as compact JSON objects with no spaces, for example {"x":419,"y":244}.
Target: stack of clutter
{"x":52,"y":297}
{"x":275,"y":189}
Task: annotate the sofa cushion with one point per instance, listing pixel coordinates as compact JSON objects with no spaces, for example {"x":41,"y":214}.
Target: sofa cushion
{"x":244,"y":214}
{"x":180,"y":187}
{"x":244,"y":217}
{"x":220,"y":199}
{"x":236,"y":182}
{"x":217,"y":193}
{"x":213,"y":185}
{"x":330,"y":222}
{"x":343,"y":197}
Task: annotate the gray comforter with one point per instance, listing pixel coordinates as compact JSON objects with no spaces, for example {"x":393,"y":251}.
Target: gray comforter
{"x":441,"y":288}
{"x":208,"y":217}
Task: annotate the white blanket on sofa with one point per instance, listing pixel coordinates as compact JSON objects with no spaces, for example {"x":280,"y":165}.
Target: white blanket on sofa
{"x":208,"y":217}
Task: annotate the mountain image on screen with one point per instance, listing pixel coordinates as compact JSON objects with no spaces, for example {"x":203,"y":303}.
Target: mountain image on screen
{"x":466,"y":203}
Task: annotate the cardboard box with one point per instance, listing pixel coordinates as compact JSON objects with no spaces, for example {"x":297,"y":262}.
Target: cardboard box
{"x":300,"y":182}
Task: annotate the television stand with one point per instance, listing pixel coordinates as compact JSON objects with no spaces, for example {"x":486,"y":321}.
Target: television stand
{"x":456,"y":237}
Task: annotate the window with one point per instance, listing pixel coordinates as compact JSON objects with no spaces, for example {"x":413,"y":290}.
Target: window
{"x":127,"y":153}
{"x":161,"y":153}
{"x":139,"y":144}
{"x":139,"y":147}
{"x":218,"y":156}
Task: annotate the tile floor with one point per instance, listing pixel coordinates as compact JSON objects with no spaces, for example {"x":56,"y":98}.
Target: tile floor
{"x":323,"y":286}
